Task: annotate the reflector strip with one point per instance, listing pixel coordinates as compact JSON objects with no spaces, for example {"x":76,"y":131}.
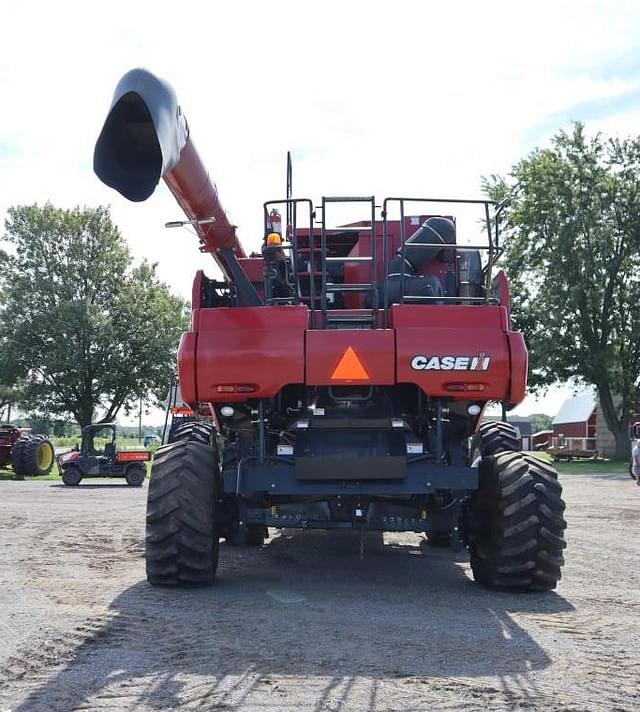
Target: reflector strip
{"x":350,"y":368}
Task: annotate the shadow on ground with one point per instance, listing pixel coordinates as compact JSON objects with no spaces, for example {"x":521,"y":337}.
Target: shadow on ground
{"x":307,"y":610}
{"x":94,"y":485}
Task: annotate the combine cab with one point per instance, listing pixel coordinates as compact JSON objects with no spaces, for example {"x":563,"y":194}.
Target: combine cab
{"x":28,"y":454}
{"x":345,"y":370}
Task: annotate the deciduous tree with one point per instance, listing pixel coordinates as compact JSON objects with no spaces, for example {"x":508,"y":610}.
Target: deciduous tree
{"x":573,"y":257}
{"x":90,"y":331}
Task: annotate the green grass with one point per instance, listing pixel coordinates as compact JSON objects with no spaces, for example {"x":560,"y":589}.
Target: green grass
{"x":8,"y":474}
{"x":11,"y":475}
{"x":123,"y":443}
{"x":585,"y":467}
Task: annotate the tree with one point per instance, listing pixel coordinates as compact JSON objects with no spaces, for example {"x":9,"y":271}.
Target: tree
{"x":11,"y":382}
{"x":573,"y":256}
{"x":90,"y":332}
{"x":540,"y":421}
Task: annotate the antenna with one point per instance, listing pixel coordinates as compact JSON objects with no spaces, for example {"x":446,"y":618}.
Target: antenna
{"x":289,"y":195}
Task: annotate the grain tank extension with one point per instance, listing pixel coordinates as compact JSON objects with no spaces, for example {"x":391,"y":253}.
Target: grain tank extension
{"x":341,"y":373}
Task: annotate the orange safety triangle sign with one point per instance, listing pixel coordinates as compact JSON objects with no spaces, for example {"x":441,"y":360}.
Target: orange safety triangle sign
{"x":349,"y":368}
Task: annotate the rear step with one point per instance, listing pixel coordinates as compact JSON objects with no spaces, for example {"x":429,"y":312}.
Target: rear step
{"x":352,"y":321}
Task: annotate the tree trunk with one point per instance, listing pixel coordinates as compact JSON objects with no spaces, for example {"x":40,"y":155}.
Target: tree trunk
{"x":623,"y":444}
{"x":85,"y":414}
{"x":619,"y":428}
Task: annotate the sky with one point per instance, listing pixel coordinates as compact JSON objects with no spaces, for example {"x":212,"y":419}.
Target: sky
{"x":403,"y":98}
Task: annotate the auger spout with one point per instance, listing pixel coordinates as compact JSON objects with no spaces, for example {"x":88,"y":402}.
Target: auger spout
{"x":145,"y":138}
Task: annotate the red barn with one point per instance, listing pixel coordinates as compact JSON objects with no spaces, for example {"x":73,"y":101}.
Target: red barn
{"x":574,"y":427}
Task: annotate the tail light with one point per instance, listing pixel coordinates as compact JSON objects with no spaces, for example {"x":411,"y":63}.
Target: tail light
{"x":464,"y":386}
{"x":237,"y":388}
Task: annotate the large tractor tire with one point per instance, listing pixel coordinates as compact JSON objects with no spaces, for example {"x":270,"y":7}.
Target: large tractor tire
{"x":197,"y":431}
{"x":519,"y":524}
{"x":17,"y":455}
{"x":182,"y":536}
{"x":33,"y":455}
{"x":497,"y":437}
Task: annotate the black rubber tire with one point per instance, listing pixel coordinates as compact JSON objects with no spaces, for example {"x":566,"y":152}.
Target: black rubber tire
{"x":135,"y":475}
{"x":17,"y":454}
{"x":198,"y":431}
{"x":182,"y":538}
{"x":495,"y":437}
{"x":521,"y":536}
{"x":32,"y":453}
{"x":71,"y":475}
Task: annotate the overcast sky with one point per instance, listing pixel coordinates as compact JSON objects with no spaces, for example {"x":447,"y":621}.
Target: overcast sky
{"x":402,"y":98}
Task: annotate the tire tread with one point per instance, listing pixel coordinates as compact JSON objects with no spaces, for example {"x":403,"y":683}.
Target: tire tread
{"x":522,"y":542}
{"x":181,"y":535}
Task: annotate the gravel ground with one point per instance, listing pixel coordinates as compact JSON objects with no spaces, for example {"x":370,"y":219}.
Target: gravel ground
{"x":302,"y":624}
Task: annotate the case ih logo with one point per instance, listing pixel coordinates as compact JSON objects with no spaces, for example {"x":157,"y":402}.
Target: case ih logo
{"x":479,"y":362}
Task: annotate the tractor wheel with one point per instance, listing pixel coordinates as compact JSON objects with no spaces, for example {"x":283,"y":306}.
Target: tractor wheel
{"x":37,"y":456}
{"x":17,"y":455}
{"x":497,"y":437}
{"x":182,"y":537}
{"x":135,"y":475}
{"x":71,"y":475}
{"x":519,"y":524}
{"x":197,"y":431}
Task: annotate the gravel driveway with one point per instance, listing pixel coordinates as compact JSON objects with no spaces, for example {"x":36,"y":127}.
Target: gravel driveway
{"x":302,"y":623}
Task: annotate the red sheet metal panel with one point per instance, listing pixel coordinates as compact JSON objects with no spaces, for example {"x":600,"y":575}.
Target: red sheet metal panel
{"x":442,"y":348}
{"x":519,"y":367}
{"x":187,"y":364}
{"x":350,"y":357}
{"x":257,"y":347}
{"x":460,"y":316}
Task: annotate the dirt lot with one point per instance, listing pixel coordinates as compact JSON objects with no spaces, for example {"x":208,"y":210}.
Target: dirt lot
{"x":302,"y":624}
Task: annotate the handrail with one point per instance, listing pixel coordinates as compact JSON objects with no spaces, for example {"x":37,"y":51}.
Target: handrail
{"x":294,"y":243}
{"x":492,"y":248}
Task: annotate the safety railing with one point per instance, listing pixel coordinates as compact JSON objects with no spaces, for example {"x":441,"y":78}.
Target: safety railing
{"x":492,"y":227}
{"x":291,"y":209}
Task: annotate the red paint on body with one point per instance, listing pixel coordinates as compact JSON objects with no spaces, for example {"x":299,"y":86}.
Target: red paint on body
{"x":258,"y":346}
{"x":326,"y":349}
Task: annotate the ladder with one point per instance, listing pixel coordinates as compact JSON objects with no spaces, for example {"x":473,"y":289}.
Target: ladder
{"x":365,"y":318}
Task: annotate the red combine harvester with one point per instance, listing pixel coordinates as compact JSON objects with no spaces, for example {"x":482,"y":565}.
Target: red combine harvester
{"x":345,"y":371}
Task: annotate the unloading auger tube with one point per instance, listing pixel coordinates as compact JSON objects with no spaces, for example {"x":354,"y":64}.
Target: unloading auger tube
{"x":146,"y":137}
